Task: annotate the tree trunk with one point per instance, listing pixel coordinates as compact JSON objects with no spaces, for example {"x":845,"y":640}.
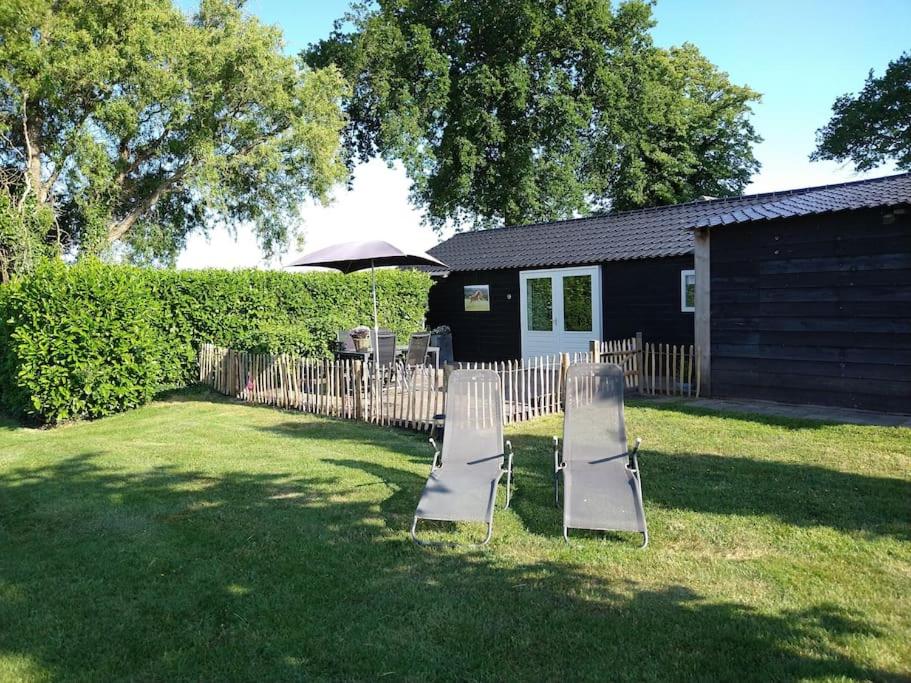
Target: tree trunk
{"x":31,"y":129}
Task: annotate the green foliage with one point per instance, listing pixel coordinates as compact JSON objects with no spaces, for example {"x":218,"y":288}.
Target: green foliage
{"x":141,"y":124}
{"x":91,"y":339}
{"x":522,"y":110}
{"x":78,"y":342}
{"x":22,"y":228}
{"x":873,"y":127}
{"x":281,"y":338}
{"x":284,"y":312}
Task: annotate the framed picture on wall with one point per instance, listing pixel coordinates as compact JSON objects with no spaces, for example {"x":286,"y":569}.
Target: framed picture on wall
{"x":477,"y":298}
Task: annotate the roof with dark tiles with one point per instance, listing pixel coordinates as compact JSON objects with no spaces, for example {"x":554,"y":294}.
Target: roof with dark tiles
{"x":657,"y":232}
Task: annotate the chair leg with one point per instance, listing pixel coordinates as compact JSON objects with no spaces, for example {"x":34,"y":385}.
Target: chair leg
{"x":566,"y":533}
{"x":432,"y":544}
{"x":508,"y":487}
{"x":489,"y":534}
{"x":644,"y":540}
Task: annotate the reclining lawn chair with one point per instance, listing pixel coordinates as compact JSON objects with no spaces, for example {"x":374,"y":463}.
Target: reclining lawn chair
{"x":462,"y":486}
{"x":601,"y":485}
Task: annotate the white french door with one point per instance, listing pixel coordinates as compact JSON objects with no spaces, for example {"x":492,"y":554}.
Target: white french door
{"x":560,"y":309}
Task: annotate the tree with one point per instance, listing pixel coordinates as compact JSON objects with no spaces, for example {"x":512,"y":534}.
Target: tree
{"x":874,"y":126}
{"x":137,"y":124}
{"x":523,"y":110}
{"x":24,"y":232}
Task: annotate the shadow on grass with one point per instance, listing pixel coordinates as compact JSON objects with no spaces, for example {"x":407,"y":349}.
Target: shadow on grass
{"x":682,"y":406}
{"x":801,"y":495}
{"x":8,"y":424}
{"x":172,"y":574}
{"x":191,"y":393}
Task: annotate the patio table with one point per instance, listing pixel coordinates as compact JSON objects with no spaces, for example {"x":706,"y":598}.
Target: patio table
{"x":400,"y":350}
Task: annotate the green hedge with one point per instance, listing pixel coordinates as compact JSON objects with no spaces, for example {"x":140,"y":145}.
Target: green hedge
{"x":78,"y":342}
{"x":92,"y":339}
{"x":252,"y":310}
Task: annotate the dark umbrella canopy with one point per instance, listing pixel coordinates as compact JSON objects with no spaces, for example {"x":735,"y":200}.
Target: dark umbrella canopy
{"x":349,"y":257}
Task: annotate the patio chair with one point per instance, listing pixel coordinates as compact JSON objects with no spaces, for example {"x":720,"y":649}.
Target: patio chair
{"x":345,"y":339}
{"x":462,"y":486}
{"x":383,"y":347}
{"x":601,"y":481}
{"x":415,"y":357}
{"x":417,"y":349}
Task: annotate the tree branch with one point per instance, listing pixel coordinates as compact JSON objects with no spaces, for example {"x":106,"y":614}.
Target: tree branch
{"x":143,"y":154}
{"x":122,"y":227}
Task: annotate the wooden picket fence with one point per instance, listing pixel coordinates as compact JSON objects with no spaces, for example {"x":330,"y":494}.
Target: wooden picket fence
{"x":650,"y":368}
{"x":394,"y":396}
{"x":531,"y":388}
{"x":390,"y":396}
{"x":346,"y":389}
{"x":671,"y":370}
{"x":627,"y":353}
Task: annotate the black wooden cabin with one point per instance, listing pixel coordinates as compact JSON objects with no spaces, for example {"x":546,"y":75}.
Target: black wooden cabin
{"x":798,"y":296}
{"x":811,"y":302}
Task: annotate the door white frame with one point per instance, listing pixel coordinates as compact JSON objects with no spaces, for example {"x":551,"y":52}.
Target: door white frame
{"x":558,"y":340}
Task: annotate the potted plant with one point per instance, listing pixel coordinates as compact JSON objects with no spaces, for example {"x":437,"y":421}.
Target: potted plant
{"x":441,"y":337}
{"x":361,"y":337}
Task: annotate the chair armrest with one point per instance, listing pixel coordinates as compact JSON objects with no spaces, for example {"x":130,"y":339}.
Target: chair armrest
{"x":633,"y":460}
{"x":436,"y":455}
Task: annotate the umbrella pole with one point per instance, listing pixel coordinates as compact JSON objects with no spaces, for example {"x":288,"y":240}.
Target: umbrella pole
{"x":376,"y":324}
{"x":378,"y":390}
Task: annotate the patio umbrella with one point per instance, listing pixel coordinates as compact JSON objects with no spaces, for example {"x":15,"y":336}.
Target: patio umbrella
{"x":349,"y":257}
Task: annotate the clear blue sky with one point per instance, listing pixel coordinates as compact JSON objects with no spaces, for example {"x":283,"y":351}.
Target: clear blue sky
{"x":800,"y":54}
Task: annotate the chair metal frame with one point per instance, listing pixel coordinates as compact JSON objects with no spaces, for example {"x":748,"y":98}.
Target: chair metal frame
{"x":632,"y":465}
{"x":505,"y":468}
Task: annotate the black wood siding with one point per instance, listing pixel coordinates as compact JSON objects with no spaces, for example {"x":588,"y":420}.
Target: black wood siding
{"x":814,"y":310}
{"x":637,"y":296}
{"x":479,"y":336}
{"x":644,"y":296}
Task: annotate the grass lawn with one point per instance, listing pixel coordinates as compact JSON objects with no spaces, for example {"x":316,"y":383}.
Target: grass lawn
{"x":201,"y":539}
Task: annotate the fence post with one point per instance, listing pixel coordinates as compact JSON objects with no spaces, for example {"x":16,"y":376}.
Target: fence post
{"x":639,"y":364}
{"x":358,"y":390}
{"x":594,"y":349}
{"x":564,"y":368}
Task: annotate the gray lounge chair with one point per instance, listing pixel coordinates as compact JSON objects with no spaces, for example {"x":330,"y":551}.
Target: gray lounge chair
{"x":601,"y":482}
{"x":462,"y":486}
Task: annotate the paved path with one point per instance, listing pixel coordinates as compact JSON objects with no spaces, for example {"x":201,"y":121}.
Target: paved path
{"x":806,"y":412}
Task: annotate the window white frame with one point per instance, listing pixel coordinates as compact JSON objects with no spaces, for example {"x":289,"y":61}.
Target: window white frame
{"x":558,"y":340}
{"x":684,"y":274}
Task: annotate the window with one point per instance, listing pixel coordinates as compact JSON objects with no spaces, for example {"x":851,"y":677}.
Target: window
{"x":688,"y":291}
{"x":577,"y":303}
{"x":539,"y":293}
